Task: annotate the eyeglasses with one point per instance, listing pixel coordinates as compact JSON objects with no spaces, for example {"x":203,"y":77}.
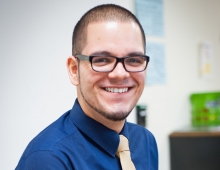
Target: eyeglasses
{"x":134,"y":63}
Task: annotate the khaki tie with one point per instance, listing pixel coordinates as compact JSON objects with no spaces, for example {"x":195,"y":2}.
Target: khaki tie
{"x":123,"y":153}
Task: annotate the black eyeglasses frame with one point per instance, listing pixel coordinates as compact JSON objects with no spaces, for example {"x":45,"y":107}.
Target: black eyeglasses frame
{"x":89,"y":58}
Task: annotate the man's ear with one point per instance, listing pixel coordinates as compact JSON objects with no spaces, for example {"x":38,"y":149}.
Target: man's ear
{"x":72,"y":67}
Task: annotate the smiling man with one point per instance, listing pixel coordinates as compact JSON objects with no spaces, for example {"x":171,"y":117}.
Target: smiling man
{"x":108,"y":67}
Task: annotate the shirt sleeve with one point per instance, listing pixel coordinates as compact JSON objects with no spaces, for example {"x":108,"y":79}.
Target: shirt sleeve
{"x":43,"y":160}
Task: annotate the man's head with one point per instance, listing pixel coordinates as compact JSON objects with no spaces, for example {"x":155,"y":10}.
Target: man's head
{"x":102,"y":13}
{"x":108,"y":31}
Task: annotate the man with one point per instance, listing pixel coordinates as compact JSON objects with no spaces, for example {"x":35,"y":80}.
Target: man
{"x":108,"y":68}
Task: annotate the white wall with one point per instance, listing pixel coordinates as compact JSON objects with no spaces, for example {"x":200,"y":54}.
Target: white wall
{"x":34,"y":86}
{"x":187,"y":24}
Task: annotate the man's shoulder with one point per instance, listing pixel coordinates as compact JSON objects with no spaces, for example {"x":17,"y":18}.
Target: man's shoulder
{"x":51,"y":136}
{"x":50,"y":145}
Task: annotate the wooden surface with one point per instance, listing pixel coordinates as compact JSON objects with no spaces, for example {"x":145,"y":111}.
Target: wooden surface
{"x":197,"y":132}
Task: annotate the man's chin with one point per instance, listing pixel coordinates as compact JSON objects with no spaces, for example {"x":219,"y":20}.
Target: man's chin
{"x":115,"y":116}
{"x":109,"y":111}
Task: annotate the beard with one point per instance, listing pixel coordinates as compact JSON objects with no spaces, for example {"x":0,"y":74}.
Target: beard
{"x":114,"y":116}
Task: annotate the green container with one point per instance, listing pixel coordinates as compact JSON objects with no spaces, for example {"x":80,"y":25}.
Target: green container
{"x":205,"y":109}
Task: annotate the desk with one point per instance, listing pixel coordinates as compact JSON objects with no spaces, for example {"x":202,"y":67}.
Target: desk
{"x":195,"y":149}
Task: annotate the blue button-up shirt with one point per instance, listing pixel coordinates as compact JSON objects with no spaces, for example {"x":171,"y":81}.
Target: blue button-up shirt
{"x":77,"y":142}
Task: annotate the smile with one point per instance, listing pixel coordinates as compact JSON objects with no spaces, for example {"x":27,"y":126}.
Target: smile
{"x":116,"y":90}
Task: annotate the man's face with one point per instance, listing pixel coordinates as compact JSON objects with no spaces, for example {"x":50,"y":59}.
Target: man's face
{"x":112,"y":95}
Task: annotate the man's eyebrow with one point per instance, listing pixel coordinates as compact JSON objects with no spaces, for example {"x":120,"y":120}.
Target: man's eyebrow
{"x":101,"y":53}
{"x":135,"y":53}
{"x":106,"y":53}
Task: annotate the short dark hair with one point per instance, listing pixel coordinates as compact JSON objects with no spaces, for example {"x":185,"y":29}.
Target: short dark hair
{"x":106,"y":12}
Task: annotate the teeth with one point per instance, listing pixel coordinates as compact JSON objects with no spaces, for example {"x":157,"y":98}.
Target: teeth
{"x":116,"y":90}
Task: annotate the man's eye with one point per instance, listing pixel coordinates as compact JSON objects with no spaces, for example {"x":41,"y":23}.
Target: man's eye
{"x":99,"y":60}
{"x":134,"y":60}
{"x":103,"y":60}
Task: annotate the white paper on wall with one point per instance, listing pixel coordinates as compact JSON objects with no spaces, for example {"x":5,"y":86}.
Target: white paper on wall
{"x":151,"y":16}
{"x":206,"y":60}
{"x":156,"y":70}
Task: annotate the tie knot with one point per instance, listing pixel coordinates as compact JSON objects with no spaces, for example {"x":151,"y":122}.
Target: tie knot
{"x":123,"y":144}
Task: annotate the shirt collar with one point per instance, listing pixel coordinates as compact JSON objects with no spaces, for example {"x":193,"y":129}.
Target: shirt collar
{"x":100,"y":134}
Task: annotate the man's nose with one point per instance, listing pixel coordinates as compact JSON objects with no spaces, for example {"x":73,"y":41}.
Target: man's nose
{"x":119,"y":72}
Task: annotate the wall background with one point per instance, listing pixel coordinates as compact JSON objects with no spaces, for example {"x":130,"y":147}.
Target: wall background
{"x":34,"y":86}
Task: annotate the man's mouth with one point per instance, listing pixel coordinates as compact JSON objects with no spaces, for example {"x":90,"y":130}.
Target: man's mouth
{"x":116,"y":90}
